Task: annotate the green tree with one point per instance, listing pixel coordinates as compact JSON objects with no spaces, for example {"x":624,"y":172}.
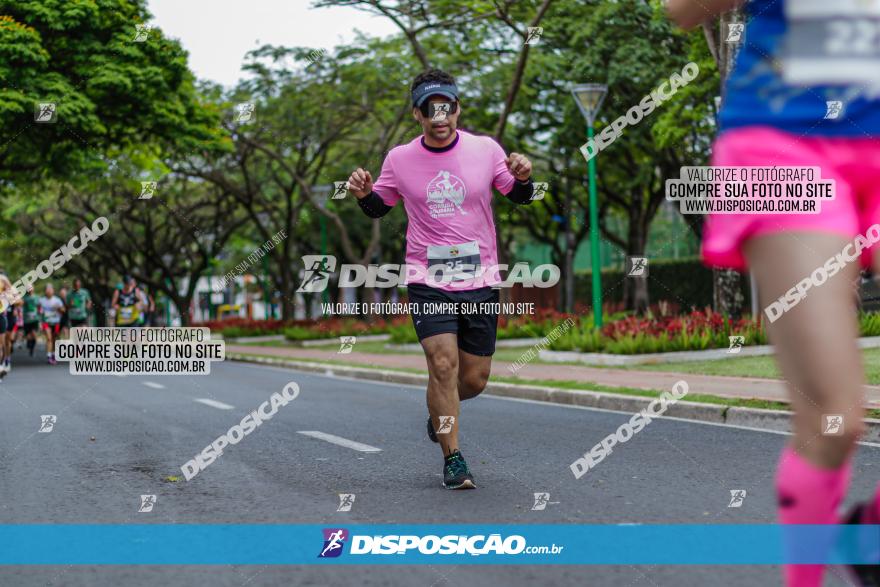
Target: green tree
{"x":110,"y":90}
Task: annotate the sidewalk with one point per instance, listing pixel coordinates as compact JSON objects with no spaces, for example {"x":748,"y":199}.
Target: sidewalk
{"x":734,"y":387}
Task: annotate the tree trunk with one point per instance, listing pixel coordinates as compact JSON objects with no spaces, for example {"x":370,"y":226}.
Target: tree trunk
{"x":726,"y":290}
{"x":635,"y":287}
{"x":727,"y":295}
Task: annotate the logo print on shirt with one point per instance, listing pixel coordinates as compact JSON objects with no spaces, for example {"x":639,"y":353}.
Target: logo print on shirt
{"x":446,"y":194}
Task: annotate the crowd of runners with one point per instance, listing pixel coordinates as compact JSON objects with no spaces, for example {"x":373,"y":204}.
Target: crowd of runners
{"x":51,"y":314}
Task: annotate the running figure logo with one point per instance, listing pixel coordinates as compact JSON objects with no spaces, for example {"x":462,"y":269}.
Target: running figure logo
{"x":346,"y":344}
{"x":148,"y":188}
{"x":637,"y":266}
{"x":147,"y":503}
{"x":142,"y":31}
{"x":833,"y":424}
{"x":334,"y":540}
{"x":317,"y":273}
{"x":44,"y":112}
{"x":47,"y":423}
{"x":736,"y":344}
{"x":446,"y":424}
{"x":441,"y":109}
{"x":346,"y":500}
{"x":534,"y":35}
{"x":340,"y":189}
{"x":244,"y":112}
{"x":834,"y":108}
{"x":446,"y":193}
{"x":736,"y":498}
{"x":734,"y":32}
{"x":541,"y":501}
{"x":538,"y":190}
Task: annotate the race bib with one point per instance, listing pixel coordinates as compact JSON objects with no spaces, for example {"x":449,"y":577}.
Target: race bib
{"x":127,"y":315}
{"x":832,"y":42}
{"x":461,"y":261}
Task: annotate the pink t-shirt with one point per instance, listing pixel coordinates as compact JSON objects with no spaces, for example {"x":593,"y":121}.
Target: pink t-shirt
{"x":447,"y":199}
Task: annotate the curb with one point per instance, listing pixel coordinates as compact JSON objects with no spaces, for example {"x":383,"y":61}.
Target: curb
{"x":775,"y":420}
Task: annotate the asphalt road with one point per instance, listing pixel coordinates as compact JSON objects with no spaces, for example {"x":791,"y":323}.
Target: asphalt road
{"x":145,"y":428}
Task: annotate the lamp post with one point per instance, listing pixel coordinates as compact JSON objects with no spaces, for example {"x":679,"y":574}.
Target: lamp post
{"x":589,"y":98}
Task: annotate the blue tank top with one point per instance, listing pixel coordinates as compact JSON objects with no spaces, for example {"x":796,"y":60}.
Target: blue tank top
{"x":757,"y":95}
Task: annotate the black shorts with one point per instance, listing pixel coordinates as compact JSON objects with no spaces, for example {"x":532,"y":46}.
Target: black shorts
{"x":476,"y":330}
{"x":63,"y":321}
{"x":74,"y":322}
{"x":31,"y":327}
{"x":3,"y":323}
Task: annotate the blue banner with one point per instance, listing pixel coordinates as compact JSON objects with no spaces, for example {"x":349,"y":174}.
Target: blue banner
{"x":524,"y":544}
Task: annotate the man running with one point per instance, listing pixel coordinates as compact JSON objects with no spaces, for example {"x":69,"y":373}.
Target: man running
{"x":64,"y":327}
{"x":804,"y":94}
{"x":51,"y":308}
{"x":127,"y":304}
{"x":30,"y":316}
{"x":445,"y":179}
{"x":79,"y":304}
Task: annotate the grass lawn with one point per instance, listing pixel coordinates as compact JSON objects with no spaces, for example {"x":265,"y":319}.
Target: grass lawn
{"x":761,"y":367}
{"x":378,"y":347}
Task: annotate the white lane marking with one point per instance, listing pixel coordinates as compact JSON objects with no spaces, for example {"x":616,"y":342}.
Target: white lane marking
{"x":333,"y":439}
{"x":540,"y":403}
{"x":214,"y":404}
{"x":153,"y":385}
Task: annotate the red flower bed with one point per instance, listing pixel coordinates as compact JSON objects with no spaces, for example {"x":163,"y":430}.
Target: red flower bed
{"x":696,"y":323}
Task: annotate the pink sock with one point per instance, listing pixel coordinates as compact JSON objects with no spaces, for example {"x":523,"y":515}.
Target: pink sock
{"x":808,"y":495}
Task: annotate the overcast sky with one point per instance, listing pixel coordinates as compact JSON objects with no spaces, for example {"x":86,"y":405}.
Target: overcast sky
{"x":218,"y":33}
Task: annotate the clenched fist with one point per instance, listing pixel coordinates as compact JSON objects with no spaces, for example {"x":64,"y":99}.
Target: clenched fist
{"x":519,"y":166}
{"x":360,"y":183}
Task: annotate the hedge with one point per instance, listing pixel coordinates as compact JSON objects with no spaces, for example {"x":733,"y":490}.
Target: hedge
{"x":685,"y":282}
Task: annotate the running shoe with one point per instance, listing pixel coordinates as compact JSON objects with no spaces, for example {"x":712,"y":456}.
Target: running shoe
{"x":456,"y":474}
{"x":52,"y":361}
{"x":863,"y":575}
{"x":431,"y":433}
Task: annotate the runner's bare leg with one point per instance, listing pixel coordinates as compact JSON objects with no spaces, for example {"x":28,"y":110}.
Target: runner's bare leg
{"x":441,"y":351}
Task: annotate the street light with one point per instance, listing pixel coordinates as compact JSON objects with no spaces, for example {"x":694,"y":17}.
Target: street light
{"x":589,"y":98}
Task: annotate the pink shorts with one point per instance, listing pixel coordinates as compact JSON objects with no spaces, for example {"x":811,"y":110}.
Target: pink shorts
{"x":853,"y":162}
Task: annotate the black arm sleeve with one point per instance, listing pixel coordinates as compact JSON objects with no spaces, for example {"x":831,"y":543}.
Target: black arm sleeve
{"x":373,"y":206}
{"x":522,"y":192}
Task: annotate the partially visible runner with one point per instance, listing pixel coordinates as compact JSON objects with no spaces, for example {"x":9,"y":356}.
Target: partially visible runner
{"x":5,"y":324}
{"x":79,"y":304}
{"x":148,"y":304}
{"x":65,"y":320}
{"x":791,"y":72}
{"x":51,"y":309}
{"x":30,"y":316}
{"x":445,"y":178}
{"x":127,"y":304}
{"x":17,"y":332}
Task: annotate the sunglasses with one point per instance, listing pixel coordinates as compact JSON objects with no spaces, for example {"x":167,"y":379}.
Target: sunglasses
{"x":438,"y":110}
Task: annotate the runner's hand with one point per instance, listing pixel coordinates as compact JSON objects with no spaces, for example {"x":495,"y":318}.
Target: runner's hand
{"x":519,"y":166}
{"x":360,"y":183}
